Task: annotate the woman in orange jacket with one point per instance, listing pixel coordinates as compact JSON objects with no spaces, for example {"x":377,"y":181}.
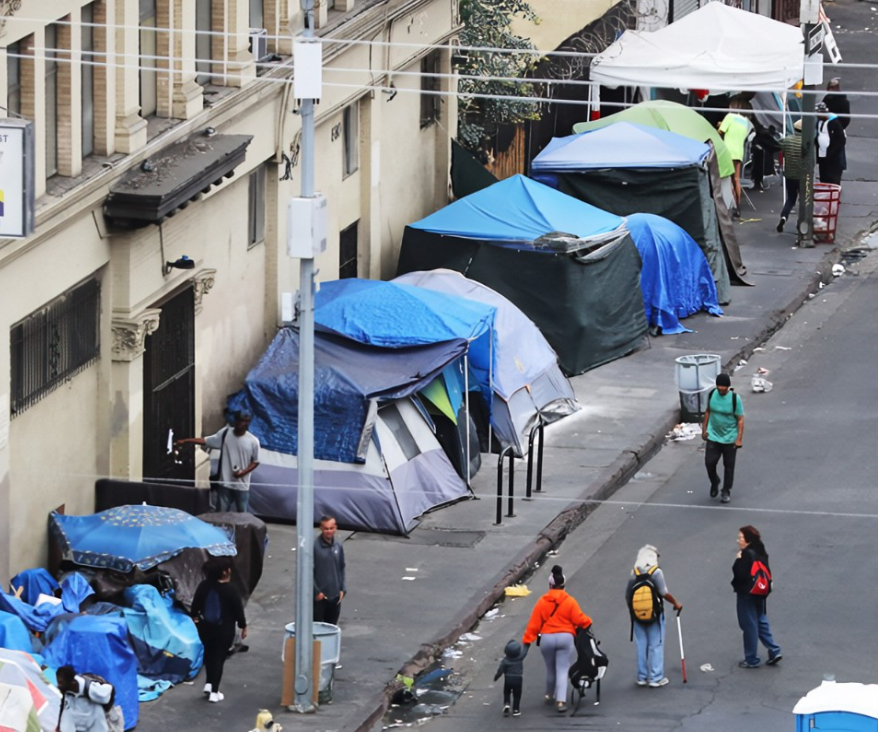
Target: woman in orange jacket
{"x":553,"y":625}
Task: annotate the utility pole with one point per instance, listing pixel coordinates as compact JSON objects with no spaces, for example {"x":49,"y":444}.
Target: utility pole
{"x":812,"y":32}
{"x":306,"y":230}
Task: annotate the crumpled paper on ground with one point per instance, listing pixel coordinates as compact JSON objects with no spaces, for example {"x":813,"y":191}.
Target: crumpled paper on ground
{"x":685,"y":431}
{"x":517,"y":591}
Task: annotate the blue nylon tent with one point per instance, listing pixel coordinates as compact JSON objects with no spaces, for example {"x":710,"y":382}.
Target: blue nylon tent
{"x":675,"y":277}
{"x":519,"y":210}
{"x":621,"y":145}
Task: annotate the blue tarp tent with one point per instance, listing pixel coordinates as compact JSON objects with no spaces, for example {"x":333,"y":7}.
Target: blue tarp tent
{"x":378,"y":465}
{"x":568,"y":266}
{"x":99,"y":644}
{"x":675,"y":278}
{"x":621,"y":145}
{"x":14,"y":633}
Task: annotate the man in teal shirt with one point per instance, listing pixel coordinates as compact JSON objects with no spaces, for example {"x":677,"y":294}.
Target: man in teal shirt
{"x":723,"y":430}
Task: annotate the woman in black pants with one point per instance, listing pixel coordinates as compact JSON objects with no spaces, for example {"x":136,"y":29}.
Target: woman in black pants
{"x":217,"y":609}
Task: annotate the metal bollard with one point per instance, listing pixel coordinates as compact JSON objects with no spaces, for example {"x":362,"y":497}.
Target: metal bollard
{"x":503,"y":454}
{"x":537,"y":428}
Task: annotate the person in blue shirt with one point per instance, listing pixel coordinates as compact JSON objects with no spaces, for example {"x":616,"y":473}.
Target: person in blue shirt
{"x":723,"y":430}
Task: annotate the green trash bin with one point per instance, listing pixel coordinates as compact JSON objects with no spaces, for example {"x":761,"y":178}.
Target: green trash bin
{"x":696,"y":376}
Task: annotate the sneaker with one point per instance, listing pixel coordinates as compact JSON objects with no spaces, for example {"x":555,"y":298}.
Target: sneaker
{"x":726,"y":497}
{"x":215,"y":697}
{"x":714,"y":490}
{"x":506,"y":710}
{"x":516,"y":712}
{"x":745,"y":664}
{"x":658,"y":684}
{"x":783,"y":220}
{"x":548,"y":699}
{"x":561,"y":707}
{"x":641,"y":682}
{"x":774,"y":659}
{"x":207,"y":689}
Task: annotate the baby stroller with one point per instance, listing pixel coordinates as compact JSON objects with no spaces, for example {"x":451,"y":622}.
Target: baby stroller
{"x":588,"y":669}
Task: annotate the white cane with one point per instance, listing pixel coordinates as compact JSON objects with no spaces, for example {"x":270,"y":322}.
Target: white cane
{"x":682,"y":655}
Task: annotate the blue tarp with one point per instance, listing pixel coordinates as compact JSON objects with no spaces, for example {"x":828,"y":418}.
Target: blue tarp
{"x":675,"y":277}
{"x":99,"y":644}
{"x":348,"y":375}
{"x":519,"y":209}
{"x":14,"y":633}
{"x":396,"y":315}
{"x":621,"y":145}
{"x":32,"y":583}
{"x":164,"y":638}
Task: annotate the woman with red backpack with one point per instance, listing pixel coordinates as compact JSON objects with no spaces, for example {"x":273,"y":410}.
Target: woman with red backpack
{"x":751,"y":582}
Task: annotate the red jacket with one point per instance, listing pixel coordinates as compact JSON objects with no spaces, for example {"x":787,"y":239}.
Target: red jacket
{"x":545,"y":618}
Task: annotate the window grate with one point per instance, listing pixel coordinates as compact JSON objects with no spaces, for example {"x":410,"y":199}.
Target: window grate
{"x":54,"y":344}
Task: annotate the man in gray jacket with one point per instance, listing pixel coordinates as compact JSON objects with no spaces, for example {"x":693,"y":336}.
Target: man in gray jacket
{"x":329,"y":569}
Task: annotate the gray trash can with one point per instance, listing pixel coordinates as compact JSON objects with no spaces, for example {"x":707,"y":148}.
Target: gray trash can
{"x":329,"y":636}
{"x":696,"y":376}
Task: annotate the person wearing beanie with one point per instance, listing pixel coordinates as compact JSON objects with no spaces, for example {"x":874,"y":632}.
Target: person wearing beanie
{"x":837,"y":101}
{"x":553,"y":624}
{"x":723,"y":431}
{"x":512,"y":669}
{"x":831,"y":140}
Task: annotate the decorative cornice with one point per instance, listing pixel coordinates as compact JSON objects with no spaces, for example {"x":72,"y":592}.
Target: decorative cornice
{"x":202,"y":283}
{"x":129,"y":334}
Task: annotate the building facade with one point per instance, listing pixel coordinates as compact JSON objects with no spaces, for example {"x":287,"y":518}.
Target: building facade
{"x":167,"y":147}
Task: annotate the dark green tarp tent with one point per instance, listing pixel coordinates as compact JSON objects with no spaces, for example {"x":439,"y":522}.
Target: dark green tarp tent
{"x":571,"y":268}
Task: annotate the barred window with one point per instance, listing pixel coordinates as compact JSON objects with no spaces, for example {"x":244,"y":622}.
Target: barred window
{"x":55,"y":343}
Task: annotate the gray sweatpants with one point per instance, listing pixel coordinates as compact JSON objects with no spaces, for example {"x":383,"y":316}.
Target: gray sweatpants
{"x":557,"y":650}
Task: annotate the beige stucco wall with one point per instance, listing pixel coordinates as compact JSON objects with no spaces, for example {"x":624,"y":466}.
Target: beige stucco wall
{"x":558,"y":20}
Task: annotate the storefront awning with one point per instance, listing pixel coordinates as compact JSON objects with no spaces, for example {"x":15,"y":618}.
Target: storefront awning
{"x":169,"y":180}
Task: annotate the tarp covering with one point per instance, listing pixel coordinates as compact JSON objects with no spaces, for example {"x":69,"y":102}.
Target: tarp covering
{"x":675,"y":278}
{"x":668,"y":115}
{"x":718,"y":47}
{"x":99,"y":644}
{"x":14,"y":633}
{"x":164,"y":639}
{"x":622,"y":145}
{"x":584,"y":299}
{"x":528,"y":379}
{"x":518,"y":210}
{"x":348,"y":377}
{"x":33,"y":583}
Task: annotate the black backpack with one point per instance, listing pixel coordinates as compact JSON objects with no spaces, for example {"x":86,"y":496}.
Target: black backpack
{"x":591,"y":662}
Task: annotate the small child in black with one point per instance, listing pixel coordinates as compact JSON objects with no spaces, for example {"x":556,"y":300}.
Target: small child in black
{"x":512,"y":667}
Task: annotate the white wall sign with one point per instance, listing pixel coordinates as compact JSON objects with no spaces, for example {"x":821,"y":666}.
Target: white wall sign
{"x":16,"y":178}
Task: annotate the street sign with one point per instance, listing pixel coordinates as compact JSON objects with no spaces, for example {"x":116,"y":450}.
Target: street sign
{"x":815,"y":38}
{"x":16,"y":178}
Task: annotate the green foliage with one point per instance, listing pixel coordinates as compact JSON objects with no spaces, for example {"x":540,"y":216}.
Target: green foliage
{"x":487,"y":25}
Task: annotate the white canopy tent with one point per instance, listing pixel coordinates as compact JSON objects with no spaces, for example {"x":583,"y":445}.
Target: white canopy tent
{"x":717,"y":48}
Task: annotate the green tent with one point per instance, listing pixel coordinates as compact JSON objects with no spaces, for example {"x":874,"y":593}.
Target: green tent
{"x":667,"y":115}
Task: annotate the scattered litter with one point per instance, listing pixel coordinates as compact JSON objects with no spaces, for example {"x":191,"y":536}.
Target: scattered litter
{"x":470,"y":637}
{"x":837,"y":270}
{"x":685,"y":431}
{"x":492,"y":613}
{"x":517,"y":591}
{"x":758,"y":348}
{"x":782,"y":348}
{"x":452,"y":653}
{"x":760,"y":385}
{"x":742,"y":362}
{"x":706,"y":667}
{"x":812,"y":295}
{"x":762,"y":371}
{"x":821,"y":285}
{"x":552,"y":553}
{"x":411,"y":569}
{"x":408,"y":579}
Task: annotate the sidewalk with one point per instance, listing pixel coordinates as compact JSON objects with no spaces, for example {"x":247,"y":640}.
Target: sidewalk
{"x":411,"y":597}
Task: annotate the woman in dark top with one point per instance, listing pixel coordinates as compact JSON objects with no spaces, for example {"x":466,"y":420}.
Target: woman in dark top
{"x":752,"y":617}
{"x":217,"y":609}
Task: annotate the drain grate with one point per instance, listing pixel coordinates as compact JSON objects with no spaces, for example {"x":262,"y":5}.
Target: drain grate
{"x":428,"y":537}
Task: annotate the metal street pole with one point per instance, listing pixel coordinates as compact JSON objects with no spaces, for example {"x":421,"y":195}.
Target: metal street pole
{"x":304,"y":661}
{"x":812,"y":34}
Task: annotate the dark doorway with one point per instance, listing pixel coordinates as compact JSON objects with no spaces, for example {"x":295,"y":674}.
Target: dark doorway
{"x":348,"y":254}
{"x":169,"y":392}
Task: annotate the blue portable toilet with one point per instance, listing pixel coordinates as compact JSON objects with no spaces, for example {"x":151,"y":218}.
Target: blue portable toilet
{"x":833,"y":707}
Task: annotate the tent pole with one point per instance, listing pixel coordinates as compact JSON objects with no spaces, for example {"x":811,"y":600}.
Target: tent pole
{"x":466,"y":391}
{"x":491,"y":383}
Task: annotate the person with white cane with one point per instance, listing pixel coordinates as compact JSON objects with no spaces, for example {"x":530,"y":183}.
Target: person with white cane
{"x":645,"y":595}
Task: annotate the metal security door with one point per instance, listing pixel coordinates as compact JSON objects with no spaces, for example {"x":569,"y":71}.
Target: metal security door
{"x":169,"y":392}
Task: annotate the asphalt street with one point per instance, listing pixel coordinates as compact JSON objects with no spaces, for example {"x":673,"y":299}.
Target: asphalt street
{"x":804,"y":479}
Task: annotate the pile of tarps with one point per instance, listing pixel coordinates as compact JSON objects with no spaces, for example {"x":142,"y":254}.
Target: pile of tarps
{"x":36,"y":598}
{"x":378,"y":465}
{"x":675,"y":278}
{"x":570,"y":267}
{"x":626,"y":168}
{"x":528,"y":381}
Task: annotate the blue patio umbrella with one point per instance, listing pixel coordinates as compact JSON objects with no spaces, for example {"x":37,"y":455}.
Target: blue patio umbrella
{"x":126,"y":537}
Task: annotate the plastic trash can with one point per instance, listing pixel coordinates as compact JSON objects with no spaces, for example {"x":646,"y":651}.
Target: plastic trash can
{"x":827,"y":199}
{"x":696,"y":376}
{"x":329,"y":636}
